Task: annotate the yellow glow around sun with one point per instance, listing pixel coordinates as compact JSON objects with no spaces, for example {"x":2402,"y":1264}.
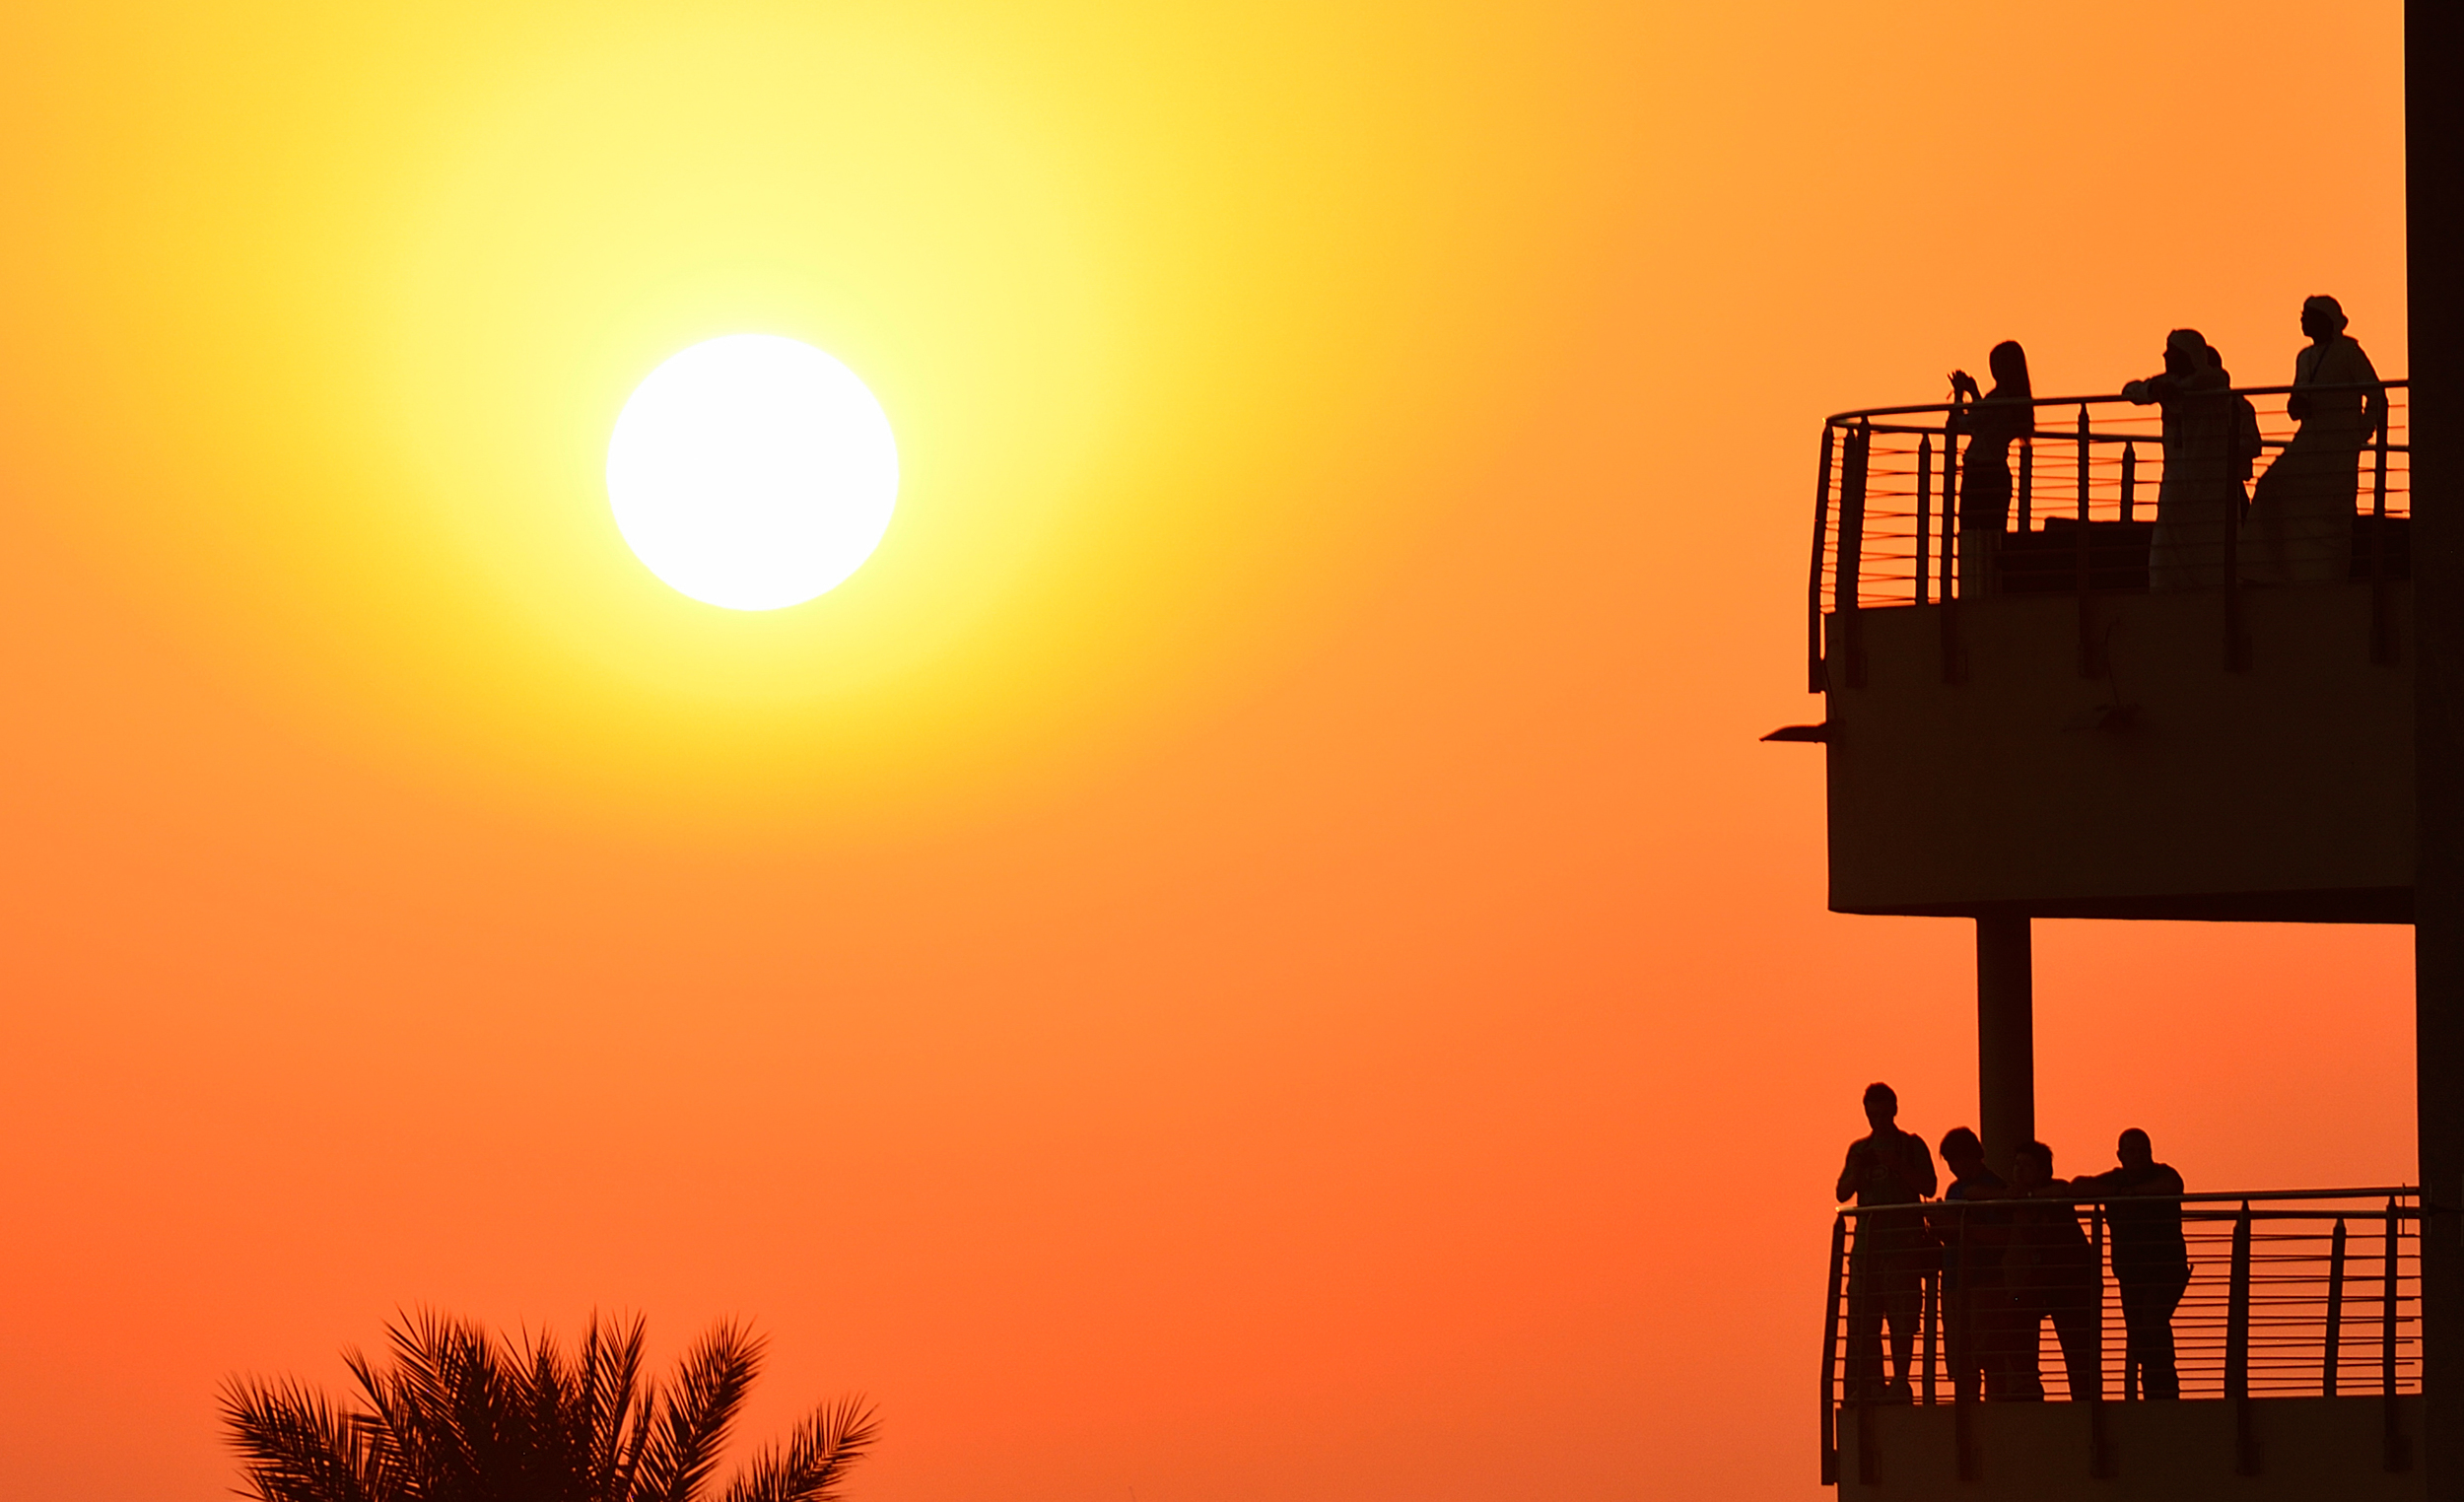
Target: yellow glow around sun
{"x":336,"y":311}
{"x":752,"y":472}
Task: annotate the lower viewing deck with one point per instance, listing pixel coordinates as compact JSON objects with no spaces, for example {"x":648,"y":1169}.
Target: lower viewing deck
{"x":2293,"y":1449}
{"x":1987,"y":1349}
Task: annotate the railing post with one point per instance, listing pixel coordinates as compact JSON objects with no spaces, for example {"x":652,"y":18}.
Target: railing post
{"x":2130,"y":478}
{"x":1951,"y":670}
{"x":2130,"y":1362}
{"x":1848,"y":560}
{"x":1817,"y":679}
{"x":2237,"y":1349}
{"x":1830,"y":1348}
{"x":2099,"y":1441}
{"x":2335,"y":1312}
{"x":1964,"y":1375}
{"x":2398,"y":1453}
{"x":2236,"y":646}
{"x":1923,"y":509}
{"x":2088,"y":666}
{"x":2028,"y":476}
{"x":2382,"y":627}
{"x":1933,"y":1324}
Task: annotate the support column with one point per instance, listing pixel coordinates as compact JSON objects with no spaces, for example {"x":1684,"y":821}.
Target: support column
{"x":2005,"y":1039}
{"x":2434,"y":129}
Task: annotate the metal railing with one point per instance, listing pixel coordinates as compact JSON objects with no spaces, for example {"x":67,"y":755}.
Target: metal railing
{"x":2290,"y":1293}
{"x":2086,"y":477}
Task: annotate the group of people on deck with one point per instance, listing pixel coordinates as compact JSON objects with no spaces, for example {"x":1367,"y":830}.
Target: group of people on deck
{"x":2012,"y":1255}
{"x":2299,"y":516}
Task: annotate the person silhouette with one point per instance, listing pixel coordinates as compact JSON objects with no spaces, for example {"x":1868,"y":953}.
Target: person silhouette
{"x":2055,"y":1278}
{"x":1886,"y":1270}
{"x":2187,"y":549}
{"x":1993,"y":421}
{"x":1976,"y":1239}
{"x":2301,"y":514}
{"x":2150,"y":1260}
{"x":2247,"y":441}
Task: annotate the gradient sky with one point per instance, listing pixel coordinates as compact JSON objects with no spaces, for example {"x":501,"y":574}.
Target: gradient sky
{"x":1253,"y":951}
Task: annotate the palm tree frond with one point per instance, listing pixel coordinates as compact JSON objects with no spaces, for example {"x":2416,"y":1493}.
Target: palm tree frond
{"x":296,"y":1446}
{"x":451,"y":1413}
{"x":695,"y":1414}
{"x":809,"y":1467}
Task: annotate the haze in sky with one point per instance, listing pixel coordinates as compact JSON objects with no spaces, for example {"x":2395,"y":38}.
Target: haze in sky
{"x":1252,"y":948}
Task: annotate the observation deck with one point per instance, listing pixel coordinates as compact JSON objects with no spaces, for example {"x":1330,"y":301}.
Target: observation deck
{"x":2132,"y":694}
{"x":2299,"y":1345}
{"x":2022,"y":725}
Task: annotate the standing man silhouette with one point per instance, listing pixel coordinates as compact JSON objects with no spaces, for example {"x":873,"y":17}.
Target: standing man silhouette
{"x":2151,"y":1262}
{"x":2055,"y":1279}
{"x":1885,"y":1270}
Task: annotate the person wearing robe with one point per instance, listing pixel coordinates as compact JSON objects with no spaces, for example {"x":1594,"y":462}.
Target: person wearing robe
{"x":1993,"y":421}
{"x":2301,"y":516}
{"x":2195,"y":395}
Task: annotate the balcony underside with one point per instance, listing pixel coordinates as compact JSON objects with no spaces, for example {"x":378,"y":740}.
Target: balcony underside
{"x":2345,"y":905}
{"x":2017,"y":759}
{"x":2298,"y":1450}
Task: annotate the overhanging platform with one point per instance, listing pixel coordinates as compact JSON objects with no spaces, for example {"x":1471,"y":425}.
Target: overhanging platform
{"x":2116,"y":757}
{"x":2283,"y":1450}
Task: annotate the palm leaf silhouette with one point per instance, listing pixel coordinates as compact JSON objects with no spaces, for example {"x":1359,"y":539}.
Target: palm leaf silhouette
{"x":457,"y":1415}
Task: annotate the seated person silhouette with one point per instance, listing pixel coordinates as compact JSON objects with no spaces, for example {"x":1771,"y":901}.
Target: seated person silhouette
{"x":1886,"y":1265}
{"x":2150,"y":1260}
{"x":2053,"y":1276}
{"x":1975,"y":1226}
{"x":1993,"y":421}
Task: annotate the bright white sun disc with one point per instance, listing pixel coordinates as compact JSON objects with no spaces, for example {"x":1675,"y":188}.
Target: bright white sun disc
{"x":753,"y":472}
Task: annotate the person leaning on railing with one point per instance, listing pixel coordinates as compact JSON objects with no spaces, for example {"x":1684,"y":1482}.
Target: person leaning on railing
{"x":1976,"y":1231}
{"x":2301,"y":517}
{"x":2151,"y":1260}
{"x":2187,"y":551}
{"x":1886,"y":1270}
{"x":2054,"y":1277}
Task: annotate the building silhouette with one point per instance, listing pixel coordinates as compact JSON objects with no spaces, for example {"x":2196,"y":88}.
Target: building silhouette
{"x":2069,"y":734}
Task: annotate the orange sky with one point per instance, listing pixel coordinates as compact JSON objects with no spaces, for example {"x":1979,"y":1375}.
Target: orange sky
{"x":1257,"y":953}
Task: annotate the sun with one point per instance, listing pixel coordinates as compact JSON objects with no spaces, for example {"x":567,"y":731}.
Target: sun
{"x":752,"y":472}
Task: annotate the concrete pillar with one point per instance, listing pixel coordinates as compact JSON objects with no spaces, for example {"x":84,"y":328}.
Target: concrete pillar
{"x":2434,"y":128}
{"x":2005,"y":1039}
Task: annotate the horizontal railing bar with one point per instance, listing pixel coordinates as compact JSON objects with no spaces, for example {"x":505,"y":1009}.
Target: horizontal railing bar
{"x":1863,"y":414}
{"x":2051,"y":467}
{"x":2403,"y":1192}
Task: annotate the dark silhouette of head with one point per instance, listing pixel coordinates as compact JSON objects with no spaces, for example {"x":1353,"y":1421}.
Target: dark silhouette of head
{"x":2185,"y":352}
{"x":1881,"y":1106}
{"x":2033,"y":1167}
{"x":2134,"y":1149}
{"x":2008,"y":364}
{"x":1962,"y":1151}
{"x":2322,"y":318}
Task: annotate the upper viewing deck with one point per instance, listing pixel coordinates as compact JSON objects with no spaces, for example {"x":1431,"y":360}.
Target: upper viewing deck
{"x":2155,"y":684}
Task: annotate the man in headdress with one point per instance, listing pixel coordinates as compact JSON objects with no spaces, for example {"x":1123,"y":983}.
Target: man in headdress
{"x":2301,"y":514}
{"x":2187,"y":551}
